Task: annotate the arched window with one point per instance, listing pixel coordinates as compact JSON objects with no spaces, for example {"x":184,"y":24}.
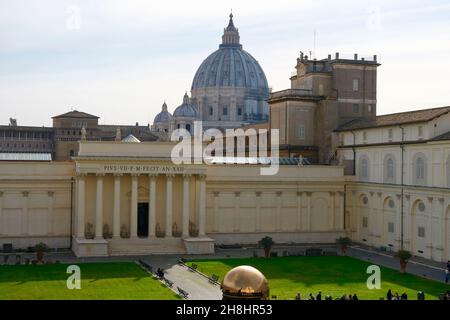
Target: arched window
{"x":419,"y":169}
{"x":364,"y":168}
{"x":389,"y":169}
{"x":188,"y":127}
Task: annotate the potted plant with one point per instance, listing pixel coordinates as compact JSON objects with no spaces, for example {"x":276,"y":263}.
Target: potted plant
{"x":344,"y":242}
{"x":40,"y":248}
{"x":267,"y":244}
{"x":403,"y":256}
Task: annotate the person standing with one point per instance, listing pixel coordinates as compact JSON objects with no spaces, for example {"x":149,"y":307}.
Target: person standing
{"x":389,"y":295}
{"x":319,"y":296}
{"x":447,"y":275}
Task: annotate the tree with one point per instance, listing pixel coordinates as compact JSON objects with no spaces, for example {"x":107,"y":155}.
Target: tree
{"x":267,"y":244}
{"x":344,"y":242}
{"x":40,"y":248}
{"x":403,"y":256}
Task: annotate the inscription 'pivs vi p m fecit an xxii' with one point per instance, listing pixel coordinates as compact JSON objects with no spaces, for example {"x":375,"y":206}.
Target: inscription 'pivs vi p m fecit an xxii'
{"x":141,"y":169}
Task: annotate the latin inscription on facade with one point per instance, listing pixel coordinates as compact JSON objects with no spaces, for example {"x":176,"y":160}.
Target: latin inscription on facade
{"x":142,"y":169}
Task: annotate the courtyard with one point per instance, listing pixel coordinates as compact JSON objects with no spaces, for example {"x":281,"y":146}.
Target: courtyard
{"x":287,"y":276}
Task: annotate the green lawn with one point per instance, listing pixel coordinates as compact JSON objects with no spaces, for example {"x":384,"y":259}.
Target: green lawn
{"x":98,"y":281}
{"x":329,"y":274}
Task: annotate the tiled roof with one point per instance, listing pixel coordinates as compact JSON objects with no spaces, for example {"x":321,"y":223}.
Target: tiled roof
{"x":396,"y":119}
{"x":76,"y":114}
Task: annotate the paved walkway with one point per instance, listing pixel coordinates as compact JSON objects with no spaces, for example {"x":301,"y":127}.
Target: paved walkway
{"x":198,"y":286}
{"x":417,"y":266}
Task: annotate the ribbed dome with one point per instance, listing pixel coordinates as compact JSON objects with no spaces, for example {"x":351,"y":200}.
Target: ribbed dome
{"x":231,"y":66}
{"x":163,"y":116}
{"x":186,"y":109}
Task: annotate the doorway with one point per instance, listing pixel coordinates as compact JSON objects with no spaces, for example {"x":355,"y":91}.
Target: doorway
{"x":142,"y":219}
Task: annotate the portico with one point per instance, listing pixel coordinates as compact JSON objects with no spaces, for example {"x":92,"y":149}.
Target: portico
{"x":144,"y":203}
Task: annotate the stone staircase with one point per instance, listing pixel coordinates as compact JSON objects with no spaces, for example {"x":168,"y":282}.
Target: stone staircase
{"x":145,"y":246}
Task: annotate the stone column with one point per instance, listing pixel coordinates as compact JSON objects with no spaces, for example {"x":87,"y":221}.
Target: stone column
{"x":332,"y":209}
{"x":441,"y":224}
{"x":134,"y":200}
{"x":380,"y":219}
{"x":258,"y":211}
{"x":279,"y":193}
{"x":50,"y":212}
{"x":356,"y":216}
{"x":341,"y":214}
{"x":216,"y":212}
{"x":185,"y":226}
{"x":408,"y":231}
{"x":398,"y":221}
{"x":99,"y":208}
{"x":202,"y":208}
{"x":152,"y":205}
{"x":299,"y":211}
{"x":116,"y":208}
{"x":372,"y":219}
{"x":428,"y":233}
{"x":169,"y":187}
{"x":81,"y":205}
{"x":308,"y":211}
{"x":237,"y":200}
{"x":25,"y":220}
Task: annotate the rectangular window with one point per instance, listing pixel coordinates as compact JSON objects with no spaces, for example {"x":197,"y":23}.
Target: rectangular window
{"x":390,"y":134}
{"x":364,"y":136}
{"x":356,"y":108}
{"x":355,"y":85}
{"x":225,"y":111}
{"x":301,"y":132}
{"x":239,"y":111}
{"x":365,"y":222}
{"x":391,"y":227}
{"x":421,"y":232}
{"x":420,"y":131}
{"x":369,"y":108}
{"x":211,"y":112}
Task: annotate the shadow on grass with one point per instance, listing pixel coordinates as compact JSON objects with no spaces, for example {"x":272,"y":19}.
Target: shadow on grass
{"x":21,"y":274}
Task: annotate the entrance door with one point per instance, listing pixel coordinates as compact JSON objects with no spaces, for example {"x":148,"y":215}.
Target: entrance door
{"x":142,"y":220}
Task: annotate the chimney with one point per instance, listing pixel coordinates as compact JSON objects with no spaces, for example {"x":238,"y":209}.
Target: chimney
{"x":363,"y":59}
{"x":301,"y":56}
{"x":356,"y":56}
{"x":329,"y":57}
{"x":375,"y":57}
{"x":337,"y":55}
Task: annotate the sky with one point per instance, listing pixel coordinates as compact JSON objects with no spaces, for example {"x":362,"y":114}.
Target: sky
{"x":120,"y":60}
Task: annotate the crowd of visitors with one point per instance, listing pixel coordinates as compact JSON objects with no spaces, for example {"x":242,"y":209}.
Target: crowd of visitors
{"x":319,"y":297}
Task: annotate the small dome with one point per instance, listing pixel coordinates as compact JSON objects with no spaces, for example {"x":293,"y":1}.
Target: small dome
{"x":131,"y":138}
{"x":163,"y":116}
{"x":245,"y":281}
{"x":186,"y":109}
